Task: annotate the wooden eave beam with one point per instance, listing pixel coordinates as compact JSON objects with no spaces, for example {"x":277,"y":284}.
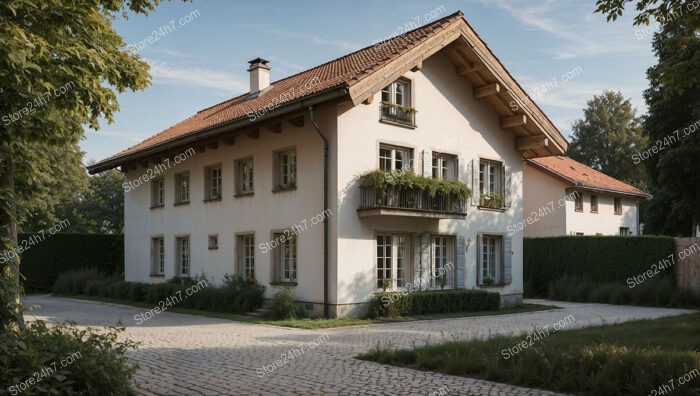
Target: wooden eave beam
{"x":531,"y":143}
{"x":487,"y":90}
{"x":513,"y":121}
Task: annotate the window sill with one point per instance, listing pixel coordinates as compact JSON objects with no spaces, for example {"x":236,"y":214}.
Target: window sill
{"x":594,"y":211}
{"x":212,"y":199}
{"x":283,"y":283}
{"x":213,"y":248}
{"x":617,"y":214}
{"x":490,"y":209}
{"x":495,"y":285}
{"x":244,"y":194}
{"x":157,"y":275}
{"x":181,"y":203}
{"x":157,"y":206}
{"x":578,"y":210}
{"x":398,"y":124}
{"x":283,"y":189}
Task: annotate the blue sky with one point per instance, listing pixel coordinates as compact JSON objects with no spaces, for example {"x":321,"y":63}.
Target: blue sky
{"x":203,"y":60}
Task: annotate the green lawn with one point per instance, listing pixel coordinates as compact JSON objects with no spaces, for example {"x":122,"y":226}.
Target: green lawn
{"x":647,"y":357}
{"x":311,"y":324}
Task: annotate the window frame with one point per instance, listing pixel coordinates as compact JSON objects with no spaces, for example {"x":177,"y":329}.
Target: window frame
{"x":491,"y":181}
{"x":158,"y":192}
{"x":400,"y":253}
{"x":578,"y":203}
{"x":180,"y":187}
{"x":245,"y":255}
{"x":448,"y":255}
{"x":440,"y":170}
{"x":213,"y":241}
{"x":391,"y":92}
{"x":594,"y":203}
{"x":245,"y":176}
{"x":497,"y":255}
{"x":213,"y":191}
{"x":179,"y":239}
{"x":285,"y":268}
{"x":617,"y":206}
{"x":625,"y":231}
{"x":158,"y":255}
{"x":281,"y":171}
{"x":407,"y":163}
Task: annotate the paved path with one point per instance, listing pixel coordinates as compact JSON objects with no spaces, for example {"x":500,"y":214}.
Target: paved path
{"x":195,"y":355}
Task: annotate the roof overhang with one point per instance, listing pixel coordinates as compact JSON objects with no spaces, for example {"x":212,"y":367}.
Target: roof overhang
{"x":229,"y":129}
{"x":536,"y":135}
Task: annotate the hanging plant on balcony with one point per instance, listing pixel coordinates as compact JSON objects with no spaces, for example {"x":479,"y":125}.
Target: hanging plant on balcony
{"x":494,"y":201}
{"x":383,"y":182}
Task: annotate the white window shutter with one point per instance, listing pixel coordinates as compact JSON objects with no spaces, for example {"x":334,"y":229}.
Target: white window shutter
{"x":507,"y":194}
{"x":461,"y":262}
{"x":479,"y":264}
{"x":417,"y":255}
{"x":507,"y":260}
{"x":473,"y":174}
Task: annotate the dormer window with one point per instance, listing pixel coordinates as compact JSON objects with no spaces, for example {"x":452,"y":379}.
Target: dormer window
{"x":396,"y":103}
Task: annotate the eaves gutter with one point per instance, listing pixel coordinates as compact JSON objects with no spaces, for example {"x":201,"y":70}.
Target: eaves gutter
{"x":299,"y":104}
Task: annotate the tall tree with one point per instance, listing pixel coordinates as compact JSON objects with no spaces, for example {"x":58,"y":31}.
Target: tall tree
{"x":60,"y":65}
{"x":607,"y":137}
{"x":101,"y":209}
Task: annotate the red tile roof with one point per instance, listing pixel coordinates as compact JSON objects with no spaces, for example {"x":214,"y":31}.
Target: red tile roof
{"x":582,"y":176}
{"x":344,"y":71}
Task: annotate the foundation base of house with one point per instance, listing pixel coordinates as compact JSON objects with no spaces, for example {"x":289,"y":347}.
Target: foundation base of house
{"x":511,"y":300}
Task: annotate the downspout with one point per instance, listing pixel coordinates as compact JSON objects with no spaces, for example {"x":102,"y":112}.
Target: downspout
{"x":326,"y":310}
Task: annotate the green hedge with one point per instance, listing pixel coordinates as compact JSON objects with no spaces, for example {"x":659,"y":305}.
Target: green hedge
{"x":432,"y":302}
{"x":601,"y":259}
{"x":235,"y":296}
{"x":46,"y":259}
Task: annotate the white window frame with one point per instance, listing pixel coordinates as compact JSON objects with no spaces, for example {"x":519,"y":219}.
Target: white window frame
{"x":394,"y":260}
{"x":246,"y":255}
{"x":491,"y":175}
{"x":443,"y":251}
{"x":245,"y":176}
{"x":286,"y":169}
{"x":213,"y":241}
{"x":158,"y":256}
{"x":213,"y":185}
{"x":285,"y":257}
{"x":491,"y":258}
{"x":158,"y":192}
{"x":617,"y":206}
{"x":183,"y":256}
{"x":395,"y":158}
{"x":444,"y":166}
{"x":594,"y":203}
{"x":398,"y":93}
{"x":182,"y":188}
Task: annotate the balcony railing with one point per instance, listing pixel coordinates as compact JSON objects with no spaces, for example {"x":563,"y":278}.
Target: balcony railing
{"x":398,"y":114}
{"x":412,"y":200}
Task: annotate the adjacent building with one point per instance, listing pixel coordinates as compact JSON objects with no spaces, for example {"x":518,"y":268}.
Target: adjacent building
{"x":266,"y":185}
{"x":565,"y":197}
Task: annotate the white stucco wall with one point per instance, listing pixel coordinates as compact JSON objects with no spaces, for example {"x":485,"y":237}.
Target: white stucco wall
{"x":542,"y":202}
{"x":604,"y":222}
{"x":449,"y":120}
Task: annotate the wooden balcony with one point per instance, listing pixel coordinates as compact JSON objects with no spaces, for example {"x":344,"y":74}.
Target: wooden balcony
{"x":409,"y":203}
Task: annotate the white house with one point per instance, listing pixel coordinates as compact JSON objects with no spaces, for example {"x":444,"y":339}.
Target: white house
{"x":565,"y":197}
{"x":242,"y":184}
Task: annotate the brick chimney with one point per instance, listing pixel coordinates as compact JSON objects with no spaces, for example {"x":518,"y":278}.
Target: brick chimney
{"x":259,"y":75}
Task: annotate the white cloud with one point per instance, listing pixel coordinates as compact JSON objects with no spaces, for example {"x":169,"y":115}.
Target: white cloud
{"x":165,"y":73}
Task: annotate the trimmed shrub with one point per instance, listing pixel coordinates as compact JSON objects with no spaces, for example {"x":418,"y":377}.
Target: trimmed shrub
{"x":45,"y":261}
{"x":600,"y":259}
{"x":73,"y":282}
{"x":430,"y":302}
{"x":95,"y":362}
{"x":280,"y":307}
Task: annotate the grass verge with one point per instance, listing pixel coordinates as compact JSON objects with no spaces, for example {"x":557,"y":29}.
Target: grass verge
{"x":647,"y":357}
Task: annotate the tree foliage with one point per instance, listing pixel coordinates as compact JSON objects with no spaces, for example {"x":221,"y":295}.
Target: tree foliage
{"x":607,"y":136}
{"x":648,"y":9}
{"x":61,"y":65}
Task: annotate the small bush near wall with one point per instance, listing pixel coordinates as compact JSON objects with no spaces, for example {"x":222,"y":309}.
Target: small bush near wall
{"x":235,"y":296}
{"x":599,"y":259}
{"x":52,"y":255}
{"x":432,"y":302}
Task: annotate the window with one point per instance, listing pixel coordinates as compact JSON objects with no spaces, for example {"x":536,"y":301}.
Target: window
{"x":578,"y":203}
{"x":393,"y":261}
{"x":182,"y":188}
{"x":491,"y":184}
{"x":182,"y":245}
{"x":286,"y":169}
{"x":396,"y":103}
{"x":594,"y":204}
{"x":444,"y":166}
{"x":158,"y":192}
{"x":285,"y":257}
{"x":244,"y":174}
{"x":625,"y":231}
{"x":490,"y":254}
{"x":618,"y":206}
{"x":393,"y":158}
{"x":246,"y":256}
{"x":579,"y":234}
{"x":158,"y":256}
{"x":213,"y":183}
{"x":213,"y":242}
{"x":443,"y":262}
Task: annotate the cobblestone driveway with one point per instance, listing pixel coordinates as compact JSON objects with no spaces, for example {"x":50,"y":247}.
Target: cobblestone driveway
{"x":194,"y":355}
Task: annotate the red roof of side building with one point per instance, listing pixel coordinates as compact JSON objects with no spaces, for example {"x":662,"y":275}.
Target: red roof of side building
{"x":582,"y":176}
